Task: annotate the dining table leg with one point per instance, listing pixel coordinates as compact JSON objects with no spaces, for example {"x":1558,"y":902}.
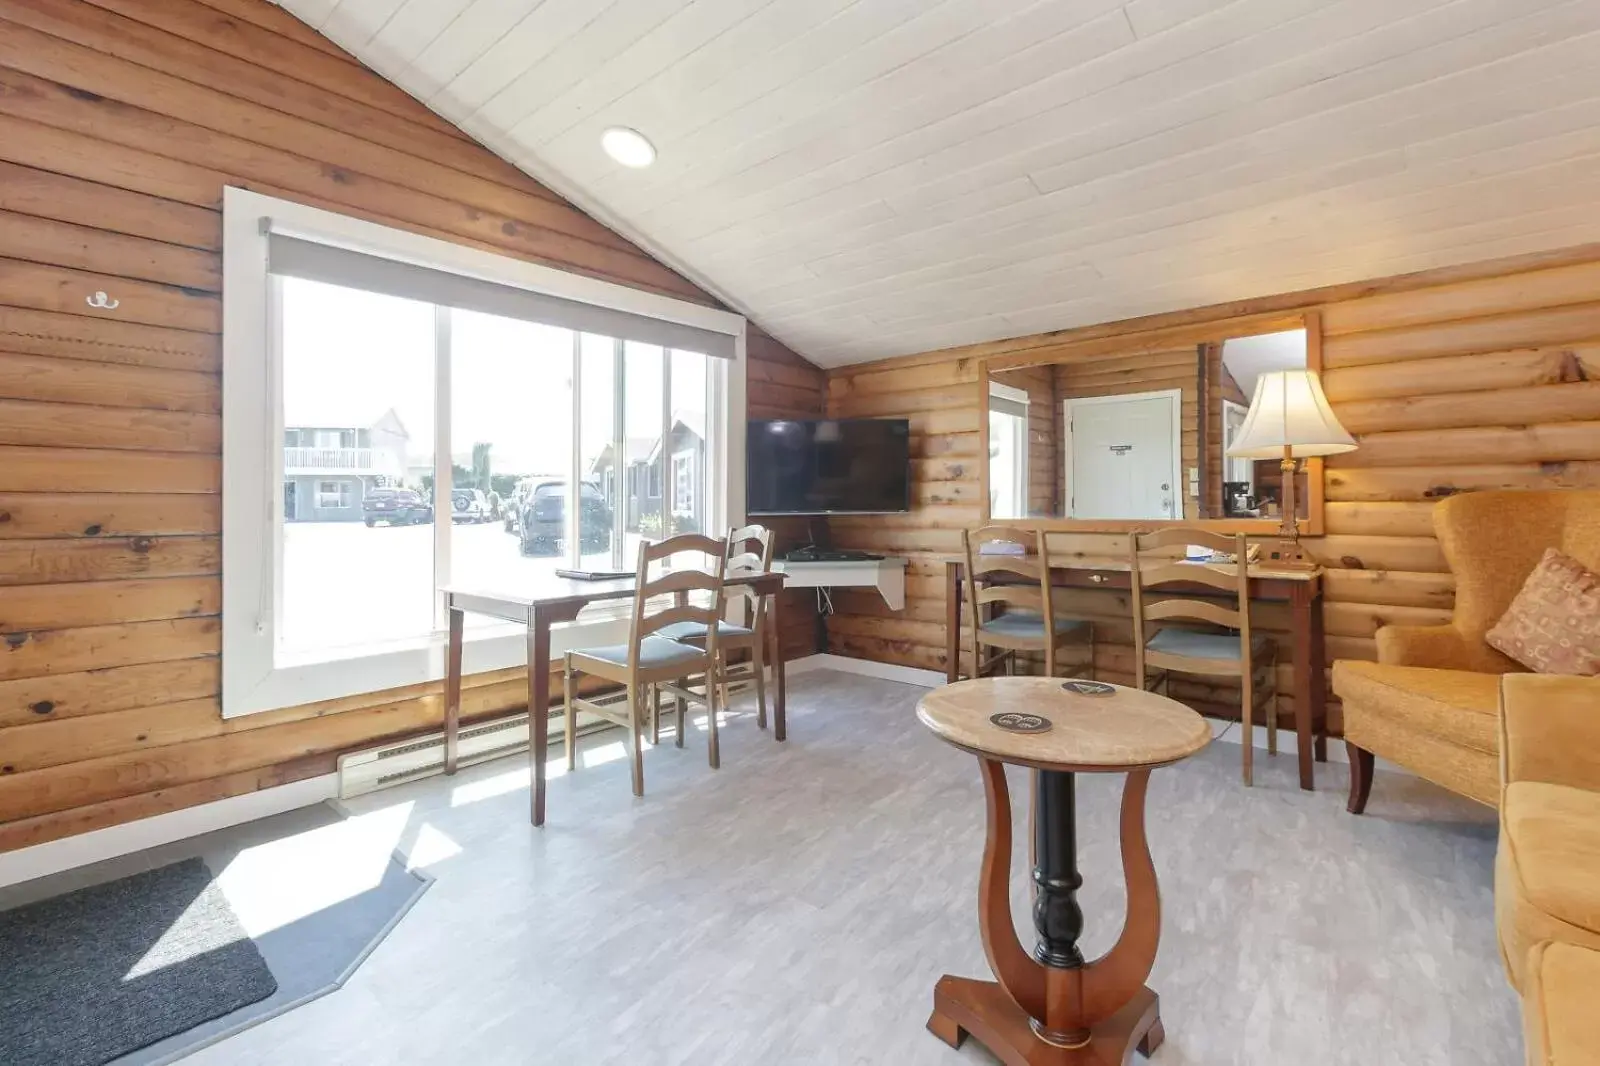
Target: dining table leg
{"x":1304,"y":605}
{"x":538,"y":705}
{"x":452,"y":690}
{"x":952,"y":624}
{"x":780,"y":709}
{"x":1319,"y":687}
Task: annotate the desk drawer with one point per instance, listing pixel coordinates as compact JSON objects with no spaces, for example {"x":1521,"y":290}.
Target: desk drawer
{"x":1089,"y":579}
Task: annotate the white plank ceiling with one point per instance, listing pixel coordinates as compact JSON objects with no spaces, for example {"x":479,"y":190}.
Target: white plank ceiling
{"x":868,"y":178}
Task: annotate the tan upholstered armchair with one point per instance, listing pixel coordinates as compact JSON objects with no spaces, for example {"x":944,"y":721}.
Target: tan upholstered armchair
{"x":1547,"y":869}
{"x":1430,"y":702}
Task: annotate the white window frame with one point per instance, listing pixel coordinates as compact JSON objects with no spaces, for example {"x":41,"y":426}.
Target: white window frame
{"x":683,"y":502}
{"x":254,"y":678}
{"x":341,"y":495}
{"x":1019,"y":440}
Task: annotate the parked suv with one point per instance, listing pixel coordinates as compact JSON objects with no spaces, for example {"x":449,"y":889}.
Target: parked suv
{"x":542,"y":522}
{"x":468,"y":505}
{"x":398,"y":507}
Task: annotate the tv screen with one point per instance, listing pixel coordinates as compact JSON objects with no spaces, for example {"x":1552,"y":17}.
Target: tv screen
{"x":848,"y":466}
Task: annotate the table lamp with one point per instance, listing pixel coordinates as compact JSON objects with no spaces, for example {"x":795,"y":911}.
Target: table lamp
{"x":1289,"y":420}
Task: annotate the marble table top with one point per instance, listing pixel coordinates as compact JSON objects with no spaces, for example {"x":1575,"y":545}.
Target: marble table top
{"x":1126,"y":730}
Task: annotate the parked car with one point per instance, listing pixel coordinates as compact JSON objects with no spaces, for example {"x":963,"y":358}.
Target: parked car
{"x":397,"y":507}
{"x":513,"y":506}
{"x":542,"y":523}
{"x":468,"y":505}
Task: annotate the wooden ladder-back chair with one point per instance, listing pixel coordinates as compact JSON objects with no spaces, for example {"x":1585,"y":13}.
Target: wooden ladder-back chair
{"x":1023,"y":626}
{"x":749,"y":552}
{"x":1187,"y":650}
{"x":650,"y":662}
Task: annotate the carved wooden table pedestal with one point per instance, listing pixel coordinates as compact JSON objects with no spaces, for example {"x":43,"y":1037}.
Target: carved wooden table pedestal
{"x":1050,"y":1007}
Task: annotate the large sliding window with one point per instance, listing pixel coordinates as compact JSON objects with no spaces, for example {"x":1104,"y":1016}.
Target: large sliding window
{"x":412,"y":416}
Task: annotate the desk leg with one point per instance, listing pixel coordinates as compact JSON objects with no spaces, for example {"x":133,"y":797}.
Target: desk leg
{"x":538,"y":705}
{"x":1319,"y":678}
{"x":1307,"y":666}
{"x":780,"y":711}
{"x":952,"y":625}
{"x":452,"y":691}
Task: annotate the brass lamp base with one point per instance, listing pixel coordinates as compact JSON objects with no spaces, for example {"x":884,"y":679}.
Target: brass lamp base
{"x":1285,"y":553}
{"x":1284,"y":550}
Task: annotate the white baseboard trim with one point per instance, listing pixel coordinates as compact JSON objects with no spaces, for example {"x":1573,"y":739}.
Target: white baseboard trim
{"x":56,"y":856}
{"x":1232,"y":732}
{"x":909,"y":675}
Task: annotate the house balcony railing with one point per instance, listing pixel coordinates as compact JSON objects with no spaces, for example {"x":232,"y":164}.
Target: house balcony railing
{"x":340,"y":461}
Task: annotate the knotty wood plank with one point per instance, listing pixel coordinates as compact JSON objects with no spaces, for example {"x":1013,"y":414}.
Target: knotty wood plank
{"x":52,"y":243}
{"x":47,"y":288}
{"x":73,"y":381}
{"x":105,"y":689}
{"x":101,"y":340}
{"x":30,"y":562}
{"x":106,"y":209}
{"x":92,"y":470}
{"x":147,"y":45}
{"x":60,"y":651}
{"x":64,"y":425}
{"x":97,"y":603}
{"x":37,"y":515}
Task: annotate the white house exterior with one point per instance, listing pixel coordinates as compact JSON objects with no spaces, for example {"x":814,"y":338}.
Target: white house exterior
{"x":327,"y":468}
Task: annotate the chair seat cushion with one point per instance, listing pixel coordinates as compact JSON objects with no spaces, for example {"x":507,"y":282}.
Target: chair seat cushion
{"x":1455,"y":705}
{"x":697,"y":630}
{"x":1200,"y":644}
{"x":1559,"y":1019}
{"x":1027,"y":624}
{"x":654,"y":650}
{"x":1548,"y":876}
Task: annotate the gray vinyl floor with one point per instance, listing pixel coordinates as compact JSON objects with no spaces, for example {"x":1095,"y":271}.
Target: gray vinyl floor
{"x":798,"y":905}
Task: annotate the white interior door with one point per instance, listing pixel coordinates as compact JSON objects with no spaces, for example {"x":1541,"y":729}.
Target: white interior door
{"x":1124,"y":457}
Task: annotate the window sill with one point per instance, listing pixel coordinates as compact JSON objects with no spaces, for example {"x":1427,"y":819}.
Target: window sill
{"x":296,"y":680}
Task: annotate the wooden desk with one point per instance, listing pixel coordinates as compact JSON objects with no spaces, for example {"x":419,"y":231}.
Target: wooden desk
{"x":538,"y":607}
{"x":1301,"y":589}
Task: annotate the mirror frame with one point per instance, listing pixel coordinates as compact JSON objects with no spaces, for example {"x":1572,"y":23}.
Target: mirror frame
{"x":1203,"y":333}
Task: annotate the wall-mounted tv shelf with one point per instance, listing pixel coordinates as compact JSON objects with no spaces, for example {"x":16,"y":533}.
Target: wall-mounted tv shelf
{"x":888,"y":576}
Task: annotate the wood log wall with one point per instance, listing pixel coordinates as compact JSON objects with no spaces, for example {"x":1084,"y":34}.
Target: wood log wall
{"x":120,"y":123}
{"x":1478,"y":377}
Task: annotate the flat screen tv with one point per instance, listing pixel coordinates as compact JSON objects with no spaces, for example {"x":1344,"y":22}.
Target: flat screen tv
{"x":843,"y":466}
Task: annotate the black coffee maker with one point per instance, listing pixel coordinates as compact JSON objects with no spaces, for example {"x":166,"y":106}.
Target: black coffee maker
{"x":1239,"y":499}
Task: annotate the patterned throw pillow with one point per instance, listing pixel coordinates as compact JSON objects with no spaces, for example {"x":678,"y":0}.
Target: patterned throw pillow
{"x":1553,"y":626}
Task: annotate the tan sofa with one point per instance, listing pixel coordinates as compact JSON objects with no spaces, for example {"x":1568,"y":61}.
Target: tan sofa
{"x":1547,"y":869}
{"x":1429,"y":702}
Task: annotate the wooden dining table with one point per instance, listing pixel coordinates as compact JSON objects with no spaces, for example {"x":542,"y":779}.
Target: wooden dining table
{"x":1301,"y":589}
{"x":537,"y":606}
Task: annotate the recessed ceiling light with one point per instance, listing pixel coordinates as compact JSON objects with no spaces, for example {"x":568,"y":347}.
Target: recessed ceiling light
{"x":628,"y":147}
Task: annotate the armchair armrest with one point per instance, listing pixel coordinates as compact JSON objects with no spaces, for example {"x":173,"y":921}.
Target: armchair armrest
{"x":1441,"y":647}
{"x":1550,"y":729}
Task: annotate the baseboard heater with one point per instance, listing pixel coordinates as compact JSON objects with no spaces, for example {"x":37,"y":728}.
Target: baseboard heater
{"x":366,"y":771}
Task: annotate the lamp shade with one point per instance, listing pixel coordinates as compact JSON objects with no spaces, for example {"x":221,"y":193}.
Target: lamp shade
{"x":1289,"y":410}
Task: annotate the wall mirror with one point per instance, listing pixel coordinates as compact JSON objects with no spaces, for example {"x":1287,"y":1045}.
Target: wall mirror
{"x":1116,"y":438}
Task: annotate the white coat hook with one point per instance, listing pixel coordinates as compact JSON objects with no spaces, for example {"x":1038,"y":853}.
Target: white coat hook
{"x":102,"y":301}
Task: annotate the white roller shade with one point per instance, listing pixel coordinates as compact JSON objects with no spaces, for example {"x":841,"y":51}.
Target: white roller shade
{"x":1007,"y":400}
{"x":297,"y":257}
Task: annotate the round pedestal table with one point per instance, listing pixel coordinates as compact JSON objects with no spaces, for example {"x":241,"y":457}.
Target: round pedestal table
{"x":1050,"y":1007}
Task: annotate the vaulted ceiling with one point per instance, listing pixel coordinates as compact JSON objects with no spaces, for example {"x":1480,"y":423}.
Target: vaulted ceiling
{"x":868,"y":178}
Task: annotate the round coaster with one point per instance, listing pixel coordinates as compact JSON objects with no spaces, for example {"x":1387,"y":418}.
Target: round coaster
{"x":1089,"y":688}
{"x":1017,"y":722}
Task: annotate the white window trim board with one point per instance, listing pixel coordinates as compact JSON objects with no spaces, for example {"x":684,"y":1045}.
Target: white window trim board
{"x":252,"y":459}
